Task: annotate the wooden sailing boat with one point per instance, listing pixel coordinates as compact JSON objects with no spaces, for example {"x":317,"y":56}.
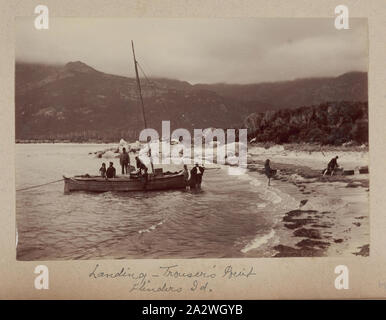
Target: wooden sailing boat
{"x":160,"y":181}
{"x":164,"y":181}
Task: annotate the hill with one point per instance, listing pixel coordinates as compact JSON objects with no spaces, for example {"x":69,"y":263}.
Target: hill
{"x":76,"y":102}
{"x":350,"y":86}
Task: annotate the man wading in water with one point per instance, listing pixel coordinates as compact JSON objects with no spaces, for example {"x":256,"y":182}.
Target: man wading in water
{"x":186,"y":176}
{"x":196,"y":176}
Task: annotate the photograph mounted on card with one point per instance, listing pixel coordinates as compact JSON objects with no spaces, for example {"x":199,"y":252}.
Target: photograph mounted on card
{"x":191,"y":138}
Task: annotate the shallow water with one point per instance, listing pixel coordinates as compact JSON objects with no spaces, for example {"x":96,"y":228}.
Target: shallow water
{"x":232,"y":216}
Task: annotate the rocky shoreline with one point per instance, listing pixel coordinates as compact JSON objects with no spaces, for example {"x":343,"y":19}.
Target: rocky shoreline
{"x":332,"y":217}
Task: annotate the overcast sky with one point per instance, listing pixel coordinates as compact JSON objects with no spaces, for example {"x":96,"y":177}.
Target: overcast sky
{"x":200,"y":50}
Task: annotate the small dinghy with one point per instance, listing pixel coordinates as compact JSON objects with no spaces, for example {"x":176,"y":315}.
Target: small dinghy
{"x":364,"y":170}
{"x":164,"y":181}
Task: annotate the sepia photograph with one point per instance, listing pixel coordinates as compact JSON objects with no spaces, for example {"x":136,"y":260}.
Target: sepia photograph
{"x":160,"y":138}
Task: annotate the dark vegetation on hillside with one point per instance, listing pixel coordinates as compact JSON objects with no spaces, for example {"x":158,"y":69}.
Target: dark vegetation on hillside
{"x":332,"y":123}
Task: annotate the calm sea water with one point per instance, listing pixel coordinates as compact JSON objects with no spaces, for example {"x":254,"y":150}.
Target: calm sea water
{"x":233,"y":216}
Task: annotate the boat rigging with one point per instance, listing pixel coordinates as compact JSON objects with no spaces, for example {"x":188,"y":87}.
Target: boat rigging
{"x":138,"y":84}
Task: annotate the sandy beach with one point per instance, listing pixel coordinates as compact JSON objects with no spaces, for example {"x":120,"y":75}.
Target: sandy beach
{"x":331,"y":217}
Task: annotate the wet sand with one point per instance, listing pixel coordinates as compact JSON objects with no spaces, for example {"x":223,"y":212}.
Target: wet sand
{"x":332,"y":218}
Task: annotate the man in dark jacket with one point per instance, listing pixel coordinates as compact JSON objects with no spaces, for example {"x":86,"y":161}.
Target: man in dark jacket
{"x":332,"y":165}
{"x":196,"y":175}
{"x":140,"y":165}
{"x":110,"y":172}
{"x":124,"y":159}
{"x":268,"y":170}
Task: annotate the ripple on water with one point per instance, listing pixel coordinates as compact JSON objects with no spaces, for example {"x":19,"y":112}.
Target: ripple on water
{"x":219,"y":221}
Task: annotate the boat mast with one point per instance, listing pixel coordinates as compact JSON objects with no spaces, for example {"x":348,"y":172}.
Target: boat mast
{"x":139,"y":84}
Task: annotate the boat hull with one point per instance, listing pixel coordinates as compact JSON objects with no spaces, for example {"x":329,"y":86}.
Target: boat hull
{"x":124,"y":184}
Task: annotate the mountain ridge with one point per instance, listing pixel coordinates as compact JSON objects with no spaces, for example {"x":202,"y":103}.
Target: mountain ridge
{"x":74,"y":100}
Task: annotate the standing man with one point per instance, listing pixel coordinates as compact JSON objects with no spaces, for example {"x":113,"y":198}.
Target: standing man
{"x":200,"y":173}
{"x":124,"y":159}
{"x":149,"y":154}
{"x":268,"y":170}
{"x":186,"y":176}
